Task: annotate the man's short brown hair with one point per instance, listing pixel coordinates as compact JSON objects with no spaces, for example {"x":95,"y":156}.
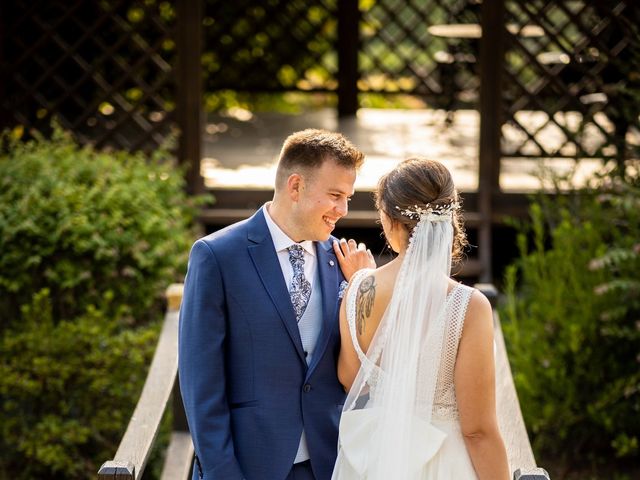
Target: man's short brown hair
{"x":309,"y":148}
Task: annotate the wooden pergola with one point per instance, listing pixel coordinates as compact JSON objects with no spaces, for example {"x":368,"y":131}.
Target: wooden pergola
{"x":125,"y":74}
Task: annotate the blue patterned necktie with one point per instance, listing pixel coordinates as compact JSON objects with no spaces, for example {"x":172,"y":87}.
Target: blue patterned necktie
{"x":300,"y":289}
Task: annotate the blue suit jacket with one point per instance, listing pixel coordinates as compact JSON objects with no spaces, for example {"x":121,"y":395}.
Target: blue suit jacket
{"x":246,"y":386}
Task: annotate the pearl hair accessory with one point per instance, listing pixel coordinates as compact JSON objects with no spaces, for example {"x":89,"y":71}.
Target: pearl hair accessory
{"x":432,"y":213}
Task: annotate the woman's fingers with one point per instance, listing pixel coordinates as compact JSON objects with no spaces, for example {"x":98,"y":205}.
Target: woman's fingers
{"x":352,"y":256}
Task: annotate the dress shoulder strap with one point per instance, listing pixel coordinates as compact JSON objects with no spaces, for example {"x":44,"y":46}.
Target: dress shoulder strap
{"x":458,"y":304}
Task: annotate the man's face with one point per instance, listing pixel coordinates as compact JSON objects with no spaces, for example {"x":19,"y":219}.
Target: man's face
{"x":323,"y":199}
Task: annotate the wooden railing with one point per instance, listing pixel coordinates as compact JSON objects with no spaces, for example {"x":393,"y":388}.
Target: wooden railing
{"x":135,"y":447}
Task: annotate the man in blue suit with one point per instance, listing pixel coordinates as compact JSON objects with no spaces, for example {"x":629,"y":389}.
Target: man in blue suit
{"x":259,"y":334}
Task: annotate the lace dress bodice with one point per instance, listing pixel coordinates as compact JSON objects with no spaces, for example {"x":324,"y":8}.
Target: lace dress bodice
{"x":444,"y":405}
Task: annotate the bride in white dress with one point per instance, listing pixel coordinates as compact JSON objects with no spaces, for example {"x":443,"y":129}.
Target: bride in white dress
{"x":421,"y":402}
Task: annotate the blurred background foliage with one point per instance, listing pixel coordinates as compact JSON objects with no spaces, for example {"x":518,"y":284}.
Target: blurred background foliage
{"x":89,"y":242}
{"x":571,"y":319}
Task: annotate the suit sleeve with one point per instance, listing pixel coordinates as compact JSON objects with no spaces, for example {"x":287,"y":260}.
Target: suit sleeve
{"x":201,"y":344}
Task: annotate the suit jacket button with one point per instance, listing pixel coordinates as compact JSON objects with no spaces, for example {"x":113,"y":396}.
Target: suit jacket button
{"x":306,"y":388}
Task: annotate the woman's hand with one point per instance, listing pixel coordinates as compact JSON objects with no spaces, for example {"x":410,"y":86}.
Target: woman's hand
{"x":352,"y":257}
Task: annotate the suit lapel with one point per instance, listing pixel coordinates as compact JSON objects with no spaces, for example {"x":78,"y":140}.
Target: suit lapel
{"x":265,"y":259}
{"x":330,"y":277}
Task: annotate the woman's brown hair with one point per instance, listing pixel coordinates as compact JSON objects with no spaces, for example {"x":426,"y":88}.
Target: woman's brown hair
{"x":420,"y":181}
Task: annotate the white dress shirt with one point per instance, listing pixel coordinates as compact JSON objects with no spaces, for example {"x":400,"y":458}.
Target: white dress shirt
{"x":282,"y":242}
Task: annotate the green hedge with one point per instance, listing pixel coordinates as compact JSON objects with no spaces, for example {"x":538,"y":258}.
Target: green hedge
{"x":102,"y":229}
{"x":572,"y":325}
{"x":89,"y":242}
{"x":68,"y":391}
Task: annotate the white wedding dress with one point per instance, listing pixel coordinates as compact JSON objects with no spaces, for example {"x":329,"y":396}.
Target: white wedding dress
{"x":436,"y":449}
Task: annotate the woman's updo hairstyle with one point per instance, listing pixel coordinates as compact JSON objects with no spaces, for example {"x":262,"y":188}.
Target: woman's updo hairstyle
{"x":419,"y":181}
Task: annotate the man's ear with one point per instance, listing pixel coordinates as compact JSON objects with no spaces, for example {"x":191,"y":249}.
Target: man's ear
{"x":295,"y":183}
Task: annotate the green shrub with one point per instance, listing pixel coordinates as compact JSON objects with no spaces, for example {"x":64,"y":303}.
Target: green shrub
{"x":89,"y":242}
{"x":68,"y":391}
{"x":572,"y":325}
{"x":101,"y":229}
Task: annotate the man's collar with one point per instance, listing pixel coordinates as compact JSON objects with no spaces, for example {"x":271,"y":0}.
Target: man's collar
{"x":281,"y":241}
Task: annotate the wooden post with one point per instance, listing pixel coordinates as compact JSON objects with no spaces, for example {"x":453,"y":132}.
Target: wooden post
{"x":4,"y":67}
{"x":491,"y":65}
{"x":348,"y":47}
{"x":189,"y":90}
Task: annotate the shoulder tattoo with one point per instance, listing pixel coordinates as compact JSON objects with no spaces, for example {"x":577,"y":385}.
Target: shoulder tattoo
{"x":365,"y":298}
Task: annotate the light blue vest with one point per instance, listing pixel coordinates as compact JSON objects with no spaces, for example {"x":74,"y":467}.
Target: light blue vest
{"x":310,"y":323}
{"x":309,"y":326}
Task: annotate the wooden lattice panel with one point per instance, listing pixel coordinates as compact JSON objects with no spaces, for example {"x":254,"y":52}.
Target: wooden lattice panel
{"x":565,"y":81}
{"x":402,"y":53}
{"x":103,"y":69}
